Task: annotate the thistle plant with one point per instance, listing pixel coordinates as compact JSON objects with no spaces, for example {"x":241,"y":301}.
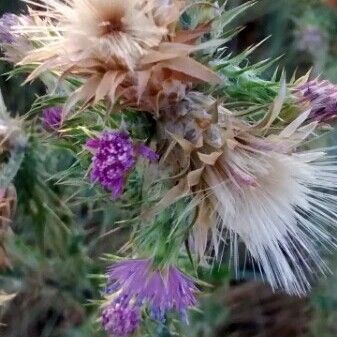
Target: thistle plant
{"x":192,"y":148}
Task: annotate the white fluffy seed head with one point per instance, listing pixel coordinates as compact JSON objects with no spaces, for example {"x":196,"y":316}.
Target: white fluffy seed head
{"x":283,"y":217}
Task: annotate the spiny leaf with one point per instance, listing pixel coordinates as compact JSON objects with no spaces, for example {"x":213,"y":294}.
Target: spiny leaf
{"x":229,"y":15}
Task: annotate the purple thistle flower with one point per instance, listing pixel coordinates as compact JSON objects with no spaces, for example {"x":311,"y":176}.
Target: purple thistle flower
{"x":115,"y":155}
{"x":52,"y":118}
{"x":311,"y":39}
{"x":119,"y":320}
{"x":322,"y":97}
{"x":137,"y":281}
{"x":7,"y":21}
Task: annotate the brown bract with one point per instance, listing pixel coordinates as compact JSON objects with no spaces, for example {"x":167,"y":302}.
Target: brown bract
{"x":132,"y":49}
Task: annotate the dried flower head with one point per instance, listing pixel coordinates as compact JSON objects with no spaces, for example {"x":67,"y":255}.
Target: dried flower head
{"x":117,"y":47}
{"x":119,"y":320}
{"x":253,"y":185}
{"x":321,"y":96}
{"x":115,"y":155}
{"x":139,"y":282}
{"x":120,"y":31}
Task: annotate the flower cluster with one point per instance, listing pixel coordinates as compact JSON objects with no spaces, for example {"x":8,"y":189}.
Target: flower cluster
{"x":115,"y":155}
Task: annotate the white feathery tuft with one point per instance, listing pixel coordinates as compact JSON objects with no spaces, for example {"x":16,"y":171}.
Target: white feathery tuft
{"x":283,"y":217}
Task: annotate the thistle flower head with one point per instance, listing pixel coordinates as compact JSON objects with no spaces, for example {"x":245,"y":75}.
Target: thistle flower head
{"x":7,"y":21}
{"x":52,"y":118}
{"x":119,"y":320}
{"x":253,"y":187}
{"x":119,"y":48}
{"x":120,"y":32}
{"x":321,"y":97}
{"x":139,"y":282}
{"x":311,"y":39}
{"x":115,"y":155}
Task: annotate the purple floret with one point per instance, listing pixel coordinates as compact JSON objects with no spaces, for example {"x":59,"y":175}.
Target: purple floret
{"x":52,"y":118}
